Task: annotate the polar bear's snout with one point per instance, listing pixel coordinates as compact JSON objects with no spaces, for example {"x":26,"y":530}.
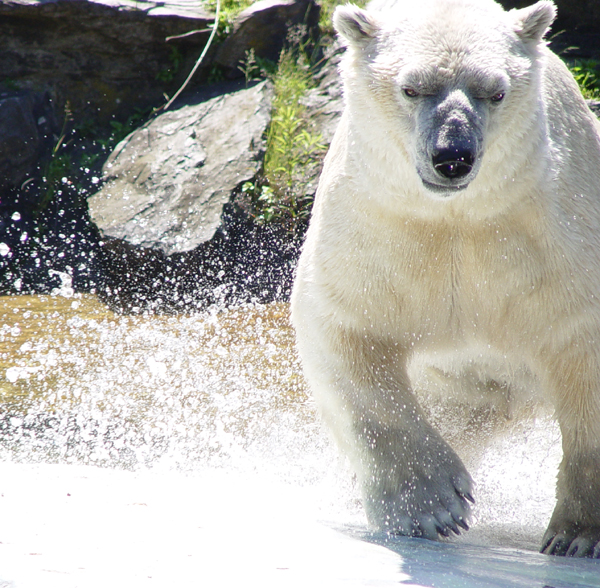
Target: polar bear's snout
{"x":449,"y":141}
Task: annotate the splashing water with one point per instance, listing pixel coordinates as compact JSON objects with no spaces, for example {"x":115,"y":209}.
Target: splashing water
{"x":206,"y":418}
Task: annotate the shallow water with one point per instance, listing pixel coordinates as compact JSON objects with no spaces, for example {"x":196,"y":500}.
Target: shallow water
{"x":178,"y":432}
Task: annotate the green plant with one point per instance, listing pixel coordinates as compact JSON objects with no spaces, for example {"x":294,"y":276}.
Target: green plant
{"x":587,"y":75}
{"x":67,"y":120}
{"x":249,"y":67}
{"x":279,"y":194}
{"x":255,"y":67}
{"x":59,"y":164}
{"x":215,"y":74}
{"x":291,"y":145}
{"x":270,"y":207}
{"x":89,"y":160}
{"x":120,"y":130}
{"x":10,"y":84}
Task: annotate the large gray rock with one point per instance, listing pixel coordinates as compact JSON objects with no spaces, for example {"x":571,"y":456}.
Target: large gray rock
{"x":166,"y":184}
{"x":103,"y":56}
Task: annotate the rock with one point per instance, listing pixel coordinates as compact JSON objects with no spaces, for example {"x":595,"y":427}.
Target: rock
{"x":594,"y":106}
{"x":20,"y":143}
{"x":103,"y":56}
{"x":27,"y":134}
{"x":264,"y":27}
{"x":325,"y":102}
{"x":166,"y":184}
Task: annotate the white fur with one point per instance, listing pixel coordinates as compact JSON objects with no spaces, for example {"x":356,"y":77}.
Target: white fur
{"x":507,"y":268}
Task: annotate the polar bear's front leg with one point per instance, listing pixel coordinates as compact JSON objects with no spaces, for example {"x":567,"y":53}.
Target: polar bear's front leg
{"x":413,"y":483}
{"x":574,"y":378}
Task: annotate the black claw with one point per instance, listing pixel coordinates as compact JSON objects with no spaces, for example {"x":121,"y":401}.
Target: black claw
{"x":454,"y":528}
{"x":443,"y":531}
{"x":573,"y":551}
{"x":462,"y":523}
{"x":545,"y":545}
{"x":466,"y":496}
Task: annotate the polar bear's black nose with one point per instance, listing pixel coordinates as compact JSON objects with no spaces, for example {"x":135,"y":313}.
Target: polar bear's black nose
{"x":453,"y":163}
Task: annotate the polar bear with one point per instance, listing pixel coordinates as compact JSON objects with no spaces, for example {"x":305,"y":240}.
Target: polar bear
{"x":458,"y":212}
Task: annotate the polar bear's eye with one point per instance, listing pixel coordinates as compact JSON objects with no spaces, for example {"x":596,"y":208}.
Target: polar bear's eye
{"x":410,"y":92}
{"x":497,"y":97}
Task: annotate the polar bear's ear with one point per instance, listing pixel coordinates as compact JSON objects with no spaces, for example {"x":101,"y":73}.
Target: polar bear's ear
{"x":533,"y":22}
{"x":357,"y":26}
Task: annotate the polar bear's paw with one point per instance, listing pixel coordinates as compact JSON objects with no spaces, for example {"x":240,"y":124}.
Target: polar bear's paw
{"x":441,"y":511}
{"x":572,"y":541}
{"x":427,"y":504}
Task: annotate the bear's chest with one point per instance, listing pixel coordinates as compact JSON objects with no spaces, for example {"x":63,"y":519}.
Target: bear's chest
{"x":444,"y":284}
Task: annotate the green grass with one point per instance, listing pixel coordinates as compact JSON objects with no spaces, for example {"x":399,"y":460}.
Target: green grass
{"x":289,"y":141}
{"x":587,"y":75}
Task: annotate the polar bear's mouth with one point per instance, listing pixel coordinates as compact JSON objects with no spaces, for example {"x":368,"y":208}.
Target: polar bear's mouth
{"x":443,"y":190}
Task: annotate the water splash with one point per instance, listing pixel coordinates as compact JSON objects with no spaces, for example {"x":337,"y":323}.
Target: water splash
{"x":219,"y":390}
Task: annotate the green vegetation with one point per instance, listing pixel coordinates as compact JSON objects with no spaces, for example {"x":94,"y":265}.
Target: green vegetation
{"x":327,"y":9}
{"x":10,"y":84}
{"x":255,"y":67}
{"x":120,"y":130}
{"x":59,"y":163}
{"x":587,"y":74}
{"x":289,"y":142}
{"x":278,"y":195}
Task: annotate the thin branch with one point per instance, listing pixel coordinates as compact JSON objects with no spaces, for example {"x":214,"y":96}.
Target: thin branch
{"x":204,"y":51}
{"x":185,"y":35}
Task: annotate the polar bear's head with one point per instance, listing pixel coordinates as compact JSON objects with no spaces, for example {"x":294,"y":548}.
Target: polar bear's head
{"x":444,"y":79}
